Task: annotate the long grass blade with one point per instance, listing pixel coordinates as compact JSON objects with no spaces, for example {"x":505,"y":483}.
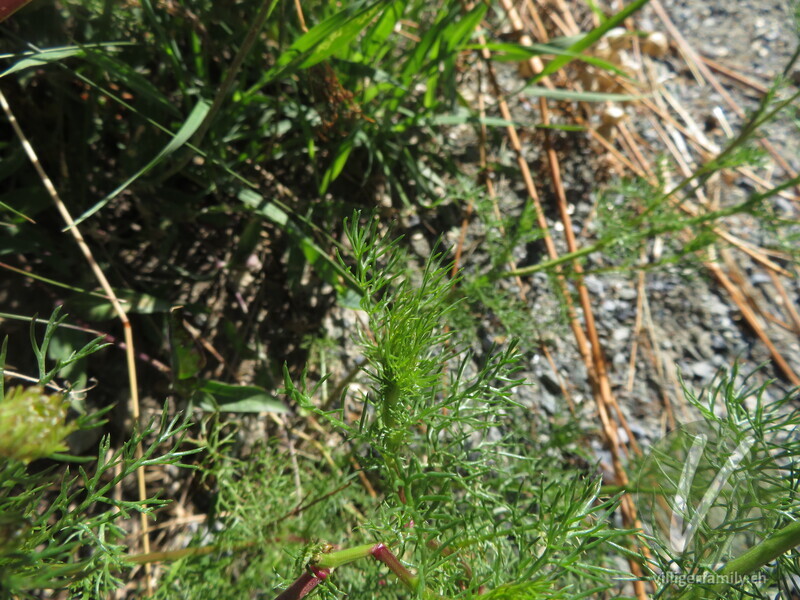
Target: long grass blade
{"x":180,"y":138}
{"x":590,"y":38}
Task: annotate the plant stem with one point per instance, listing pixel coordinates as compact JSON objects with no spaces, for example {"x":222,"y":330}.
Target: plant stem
{"x":697,"y":220}
{"x":378,"y":551}
{"x":325,"y":563}
{"x":304,"y":584}
{"x":383,"y":554}
{"x":333,"y":560}
{"x":771,"y":548}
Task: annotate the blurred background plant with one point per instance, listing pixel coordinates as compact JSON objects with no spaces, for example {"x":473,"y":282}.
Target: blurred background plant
{"x":61,"y":530}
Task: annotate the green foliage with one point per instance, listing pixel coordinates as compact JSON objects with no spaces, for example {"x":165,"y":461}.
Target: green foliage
{"x":633,"y":212}
{"x":502,"y":235}
{"x":59,"y":529}
{"x":405,"y":341}
{"x":211,"y":138}
{"x":75,"y":541}
{"x":249,"y":492}
{"x":187,"y":129}
{"x":505,"y":233}
{"x":40,"y":350}
{"x":753,"y":439}
{"x":209,"y":394}
{"x":466,"y":498}
{"x":470,"y":501}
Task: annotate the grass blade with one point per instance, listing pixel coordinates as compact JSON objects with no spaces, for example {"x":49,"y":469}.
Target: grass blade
{"x":590,"y":38}
{"x":334,"y":34}
{"x":329,"y":269}
{"x":342,"y":154}
{"x":561,"y":94}
{"x":510,"y":52}
{"x":226,"y":397}
{"x":46,"y":56}
{"x":181,"y":137}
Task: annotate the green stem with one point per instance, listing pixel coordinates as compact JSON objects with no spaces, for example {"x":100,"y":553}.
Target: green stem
{"x":333,"y":560}
{"x":758,"y":118}
{"x":777,"y":544}
{"x":325,"y":563}
{"x":379,"y":551}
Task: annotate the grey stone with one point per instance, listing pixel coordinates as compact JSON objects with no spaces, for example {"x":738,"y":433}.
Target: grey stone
{"x":609,"y":306}
{"x":594,"y":285}
{"x":621,"y":334}
{"x":703,"y":370}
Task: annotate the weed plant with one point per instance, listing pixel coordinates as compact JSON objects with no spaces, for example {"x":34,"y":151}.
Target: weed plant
{"x":466,"y":504}
{"x":428,"y":479}
{"x":462,"y":502}
{"x":61,"y":529}
{"x":466,"y":501}
{"x":634,"y":212}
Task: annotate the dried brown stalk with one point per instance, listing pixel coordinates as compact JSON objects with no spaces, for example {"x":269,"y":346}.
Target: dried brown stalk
{"x":115,"y":302}
{"x":593,"y":356}
{"x":786,"y":302}
{"x":734,"y":75}
{"x":752,"y":321}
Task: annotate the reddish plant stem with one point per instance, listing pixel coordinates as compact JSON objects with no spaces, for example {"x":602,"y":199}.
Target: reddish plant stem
{"x":8,"y":7}
{"x":304,"y":584}
{"x":383,"y":554}
{"x":325,"y":563}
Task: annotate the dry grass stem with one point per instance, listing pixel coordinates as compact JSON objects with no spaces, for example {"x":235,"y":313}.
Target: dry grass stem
{"x":121,"y":315}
